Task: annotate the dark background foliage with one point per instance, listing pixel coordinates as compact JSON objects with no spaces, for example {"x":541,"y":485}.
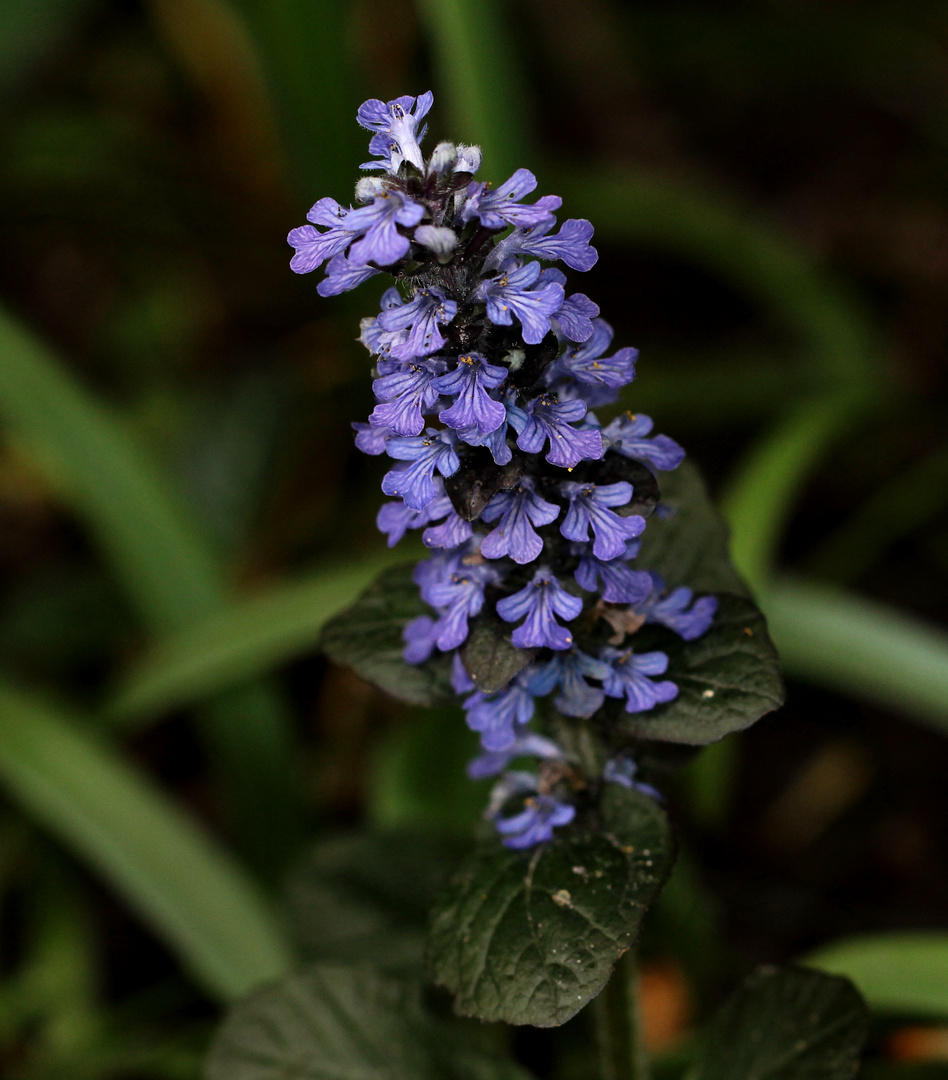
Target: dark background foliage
{"x":768,"y":184}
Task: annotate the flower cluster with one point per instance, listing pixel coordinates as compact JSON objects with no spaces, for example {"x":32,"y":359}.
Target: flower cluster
{"x":487,"y":372}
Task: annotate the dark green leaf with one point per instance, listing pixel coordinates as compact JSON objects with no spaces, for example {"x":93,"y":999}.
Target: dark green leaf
{"x":368,"y":638}
{"x":786,"y":1024}
{"x":727,"y":679}
{"x":366,"y":897}
{"x":689,"y":547}
{"x":490,"y":658}
{"x":530,"y":937}
{"x":345,"y":1023}
{"x":478,"y":480}
{"x":326,"y":1023}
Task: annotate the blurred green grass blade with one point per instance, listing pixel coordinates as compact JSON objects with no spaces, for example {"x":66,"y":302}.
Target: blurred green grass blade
{"x":305,"y":51}
{"x":245,"y":639}
{"x":760,"y":497}
{"x":191,"y":894}
{"x":904,"y":972}
{"x":759,"y":262}
{"x":478,"y":78}
{"x":108,"y":481}
{"x":834,"y":638}
{"x":162,"y":564}
{"x":894,"y":510}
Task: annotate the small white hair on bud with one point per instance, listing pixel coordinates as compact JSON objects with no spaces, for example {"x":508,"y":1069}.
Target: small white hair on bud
{"x":469,"y":159}
{"x":443,"y":158}
{"x":367,"y":188}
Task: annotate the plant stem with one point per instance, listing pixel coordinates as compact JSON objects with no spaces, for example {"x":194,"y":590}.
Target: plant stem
{"x":618,"y":1029}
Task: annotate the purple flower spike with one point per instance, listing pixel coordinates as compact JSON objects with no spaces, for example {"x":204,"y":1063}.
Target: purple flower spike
{"x":588,"y":505}
{"x":343,"y":275}
{"x":627,"y":435}
{"x":570,"y":671}
{"x":547,"y":418}
{"x":395,"y":123}
{"x":620,"y":584}
{"x":415,"y":482}
{"x":519,"y":511}
{"x":382,"y":243}
{"x":495,"y":715}
{"x":510,"y":294}
{"x":498,"y":208}
{"x":313,"y":247}
{"x":474,"y":408}
{"x":586,"y":362}
{"x":493,"y":762}
{"x":411,"y":329}
{"x":538,"y":604}
{"x":406,"y":396}
{"x":629,"y":677}
{"x":535,"y":824}
{"x":672,"y":609}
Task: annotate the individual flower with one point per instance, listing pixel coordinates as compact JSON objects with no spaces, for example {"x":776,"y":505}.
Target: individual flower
{"x":511,"y":294}
{"x":426,"y":453}
{"x":544,"y":419}
{"x":536,"y":822}
{"x":313,"y":247}
{"x":570,"y":245}
{"x":585,"y":361}
{"x":620,"y":584}
{"x":627,"y":435}
{"x":456,"y":590}
{"x":469,"y":383}
{"x":519,"y":511}
{"x":494,"y":762}
{"x":396,"y":126}
{"x":497,"y":716}
{"x":589,"y":507}
{"x":343,"y":275}
{"x":405,"y":396}
{"x":411,"y":329}
{"x":496,"y":208}
{"x":538,"y":604}
{"x":630,"y":676}
{"x":395,"y":518}
{"x":570,"y":670}
{"x":675,"y":609}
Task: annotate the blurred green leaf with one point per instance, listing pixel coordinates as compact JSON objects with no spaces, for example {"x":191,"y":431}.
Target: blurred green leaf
{"x":160,"y":560}
{"x":905,"y":972}
{"x":305,"y":49}
{"x":529,"y":937}
{"x":786,"y":1024}
{"x":109,"y":481}
{"x":478,"y":77}
{"x":365,"y":897}
{"x":418,"y":775}
{"x":761,"y":495}
{"x":346,"y":1023}
{"x":243,"y":640}
{"x":180,"y":883}
{"x":834,"y":638}
{"x":368,"y":638}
